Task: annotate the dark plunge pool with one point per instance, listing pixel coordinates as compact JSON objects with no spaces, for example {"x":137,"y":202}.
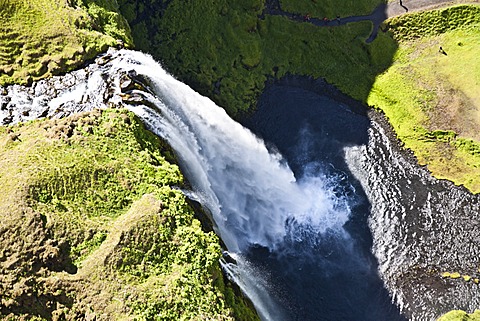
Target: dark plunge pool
{"x":331,"y":275}
{"x":405,"y":228}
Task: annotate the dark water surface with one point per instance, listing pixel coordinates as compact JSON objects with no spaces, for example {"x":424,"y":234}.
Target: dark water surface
{"x":329,"y":276}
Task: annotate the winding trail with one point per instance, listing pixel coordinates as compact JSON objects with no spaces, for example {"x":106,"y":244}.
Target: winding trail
{"x":378,"y":15}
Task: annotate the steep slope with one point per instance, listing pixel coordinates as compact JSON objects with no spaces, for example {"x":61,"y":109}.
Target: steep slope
{"x":92,"y":226}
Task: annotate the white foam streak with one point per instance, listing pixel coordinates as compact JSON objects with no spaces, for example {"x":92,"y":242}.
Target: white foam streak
{"x":253,"y":283}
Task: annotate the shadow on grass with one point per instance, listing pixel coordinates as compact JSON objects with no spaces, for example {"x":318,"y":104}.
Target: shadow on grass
{"x":227,"y":51}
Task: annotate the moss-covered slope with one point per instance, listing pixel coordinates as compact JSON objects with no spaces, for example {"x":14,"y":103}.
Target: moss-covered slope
{"x":40,"y":38}
{"x":330,"y":9}
{"x":91,"y":227}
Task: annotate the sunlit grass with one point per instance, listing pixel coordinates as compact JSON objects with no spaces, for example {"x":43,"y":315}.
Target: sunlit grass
{"x":46,"y":37}
{"x":457,"y":315}
{"x":432,"y":98}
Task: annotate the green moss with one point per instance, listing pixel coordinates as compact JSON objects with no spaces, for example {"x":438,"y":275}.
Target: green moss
{"x":457,"y":315}
{"x":227,"y":51}
{"x":330,"y":8}
{"x":95,"y":190}
{"x":76,"y":178}
{"x":451,"y":275}
{"x":46,"y":37}
{"x":434,"y":22}
{"x":108,"y":20}
{"x":82,"y":250}
{"x":173,"y":262}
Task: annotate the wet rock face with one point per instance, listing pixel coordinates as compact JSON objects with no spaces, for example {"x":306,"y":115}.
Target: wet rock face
{"x":82,"y":90}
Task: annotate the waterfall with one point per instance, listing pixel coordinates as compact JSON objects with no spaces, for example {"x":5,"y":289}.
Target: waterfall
{"x":259,"y":207}
{"x":253,"y":196}
{"x":285,"y":233}
{"x":250,"y":191}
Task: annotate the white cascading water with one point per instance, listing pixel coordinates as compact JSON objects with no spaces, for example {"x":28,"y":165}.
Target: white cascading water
{"x":250,"y":192}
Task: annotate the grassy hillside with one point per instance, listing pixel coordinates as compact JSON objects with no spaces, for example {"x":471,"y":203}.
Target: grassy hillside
{"x":92,"y":227}
{"x":40,"y":38}
{"x":431,"y":96}
{"x":228,"y":50}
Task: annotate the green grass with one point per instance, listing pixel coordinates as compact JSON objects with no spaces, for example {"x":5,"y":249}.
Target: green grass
{"x":225,"y":51}
{"x":175,"y":264}
{"x":457,"y":315}
{"x":81,"y":183}
{"x":434,"y":22}
{"x":330,"y":8}
{"x":91,"y":222}
{"x":432,"y":100}
{"x":47,"y":37}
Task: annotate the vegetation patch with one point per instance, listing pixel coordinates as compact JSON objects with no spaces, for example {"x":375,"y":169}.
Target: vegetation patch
{"x":92,"y":227}
{"x":228,"y":50}
{"x":40,"y":38}
{"x":457,"y":315}
{"x":431,"y":93}
{"x":434,"y":22}
{"x":330,"y":9}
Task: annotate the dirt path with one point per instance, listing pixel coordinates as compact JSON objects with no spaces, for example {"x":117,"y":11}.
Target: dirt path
{"x":399,"y":7}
